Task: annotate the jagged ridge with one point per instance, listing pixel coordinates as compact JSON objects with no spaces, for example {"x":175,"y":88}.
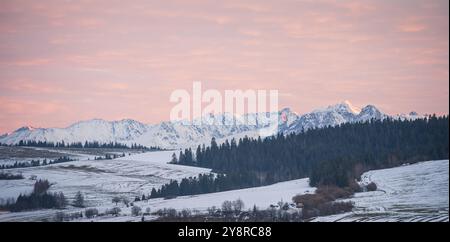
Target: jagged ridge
{"x":179,"y":134}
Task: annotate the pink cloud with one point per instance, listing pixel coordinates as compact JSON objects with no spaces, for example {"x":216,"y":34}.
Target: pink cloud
{"x":30,"y":62}
{"x":107,"y":59}
{"x":412,"y":27}
{"x":359,"y":7}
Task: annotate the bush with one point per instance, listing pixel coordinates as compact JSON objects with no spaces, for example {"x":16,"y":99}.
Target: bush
{"x":185,"y":213}
{"x":171,"y":212}
{"x":310,"y":201}
{"x":136,"y":210}
{"x":212,"y":210}
{"x":322,"y":202}
{"x":371,"y":187}
{"x":353,"y":187}
{"x":75,"y":215}
{"x":334,"y":208}
{"x":167,"y":212}
{"x":334,"y":192}
{"x":113,"y":211}
{"x":8,"y":176}
{"x":91,"y":212}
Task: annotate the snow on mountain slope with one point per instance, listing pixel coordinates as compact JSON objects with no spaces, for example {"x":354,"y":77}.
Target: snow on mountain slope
{"x":179,"y":134}
{"x":91,"y":130}
{"x":409,"y":116}
{"x":335,"y":115}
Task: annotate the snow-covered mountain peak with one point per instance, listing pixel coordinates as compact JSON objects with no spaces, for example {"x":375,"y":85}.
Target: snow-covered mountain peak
{"x":286,"y":110}
{"x":222,"y":126}
{"x":345,"y":106}
{"x":25,"y":128}
{"x":370,"y":112}
{"x":410,"y":116}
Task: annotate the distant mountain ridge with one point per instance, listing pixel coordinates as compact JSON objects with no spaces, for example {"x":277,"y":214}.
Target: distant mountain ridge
{"x":178,"y":134}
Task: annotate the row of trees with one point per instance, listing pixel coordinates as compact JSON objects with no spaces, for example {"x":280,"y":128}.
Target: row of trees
{"x":329,"y":156}
{"x":233,"y":211}
{"x":34,"y":163}
{"x":93,"y":144}
{"x":9,"y":176}
{"x":38,"y":199}
{"x":109,"y":156}
{"x":204,"y":183}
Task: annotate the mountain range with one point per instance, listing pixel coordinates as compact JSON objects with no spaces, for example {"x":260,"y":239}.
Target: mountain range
{"x":178,"y":134}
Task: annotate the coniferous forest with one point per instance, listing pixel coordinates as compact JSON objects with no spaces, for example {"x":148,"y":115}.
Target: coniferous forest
{"x":328,"y":156}
{"x":85,"y":145}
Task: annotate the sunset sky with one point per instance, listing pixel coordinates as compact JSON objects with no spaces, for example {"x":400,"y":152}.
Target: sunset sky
{"x":65,"y":61}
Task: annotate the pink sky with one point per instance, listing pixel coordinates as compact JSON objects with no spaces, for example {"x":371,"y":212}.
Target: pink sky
{"x":64,"y":61}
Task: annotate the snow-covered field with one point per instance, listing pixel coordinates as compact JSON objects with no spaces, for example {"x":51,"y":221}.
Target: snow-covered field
{"x":262,"y":197}
{"x":135,"y":175}
{"x":102,"y":179}
{"x":416,"y":192}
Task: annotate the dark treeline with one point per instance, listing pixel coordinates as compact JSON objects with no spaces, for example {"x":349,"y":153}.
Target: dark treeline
{"x":39,"y":198}
{"x":34,"y":163}
{"x":94,"y":144}
{"x":205,"y":183}
{"x":9,"y":176}
{"x":109,"y":156}
{"x":328,"y":156}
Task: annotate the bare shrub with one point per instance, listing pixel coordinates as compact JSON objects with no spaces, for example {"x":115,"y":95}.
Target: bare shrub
{"x":333,"y":192}
{"x":238,"y":205}
{"x":372,"y":187}
{"x":91,"y":212}
{"x":113,"y":211}
{"x":322,"y":202}
{"x":334,"y":208}
{"x":185,"y":213}
{"x":136,"y":210}
{"x":171,"y":212}
{"x":227,"y":207}
{"x":353,"y":186}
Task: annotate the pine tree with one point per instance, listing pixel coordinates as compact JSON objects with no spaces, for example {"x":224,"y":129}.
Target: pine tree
{"x":174,"y":159}
{"x":78,"y":200}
